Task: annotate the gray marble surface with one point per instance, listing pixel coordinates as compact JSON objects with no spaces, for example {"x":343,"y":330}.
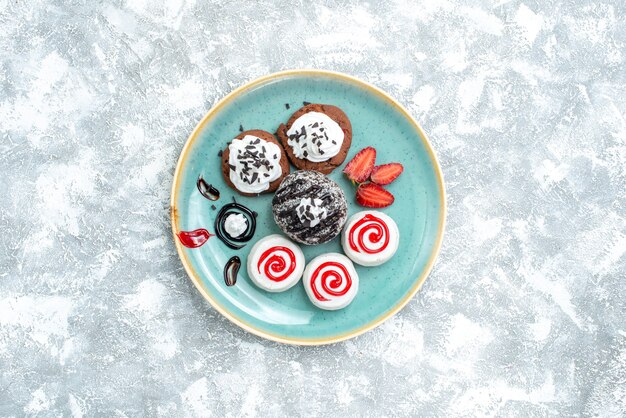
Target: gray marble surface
{"x":524,"y":313}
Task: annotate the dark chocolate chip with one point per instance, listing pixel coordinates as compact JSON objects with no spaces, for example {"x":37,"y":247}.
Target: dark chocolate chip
{"x":232,"y":167}
{"x":315,"y":125}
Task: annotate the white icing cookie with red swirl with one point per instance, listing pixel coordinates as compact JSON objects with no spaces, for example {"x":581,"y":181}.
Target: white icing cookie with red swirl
{"x":370,"y":238}
{"x":330,"y":281}
{"x":275,"y":264}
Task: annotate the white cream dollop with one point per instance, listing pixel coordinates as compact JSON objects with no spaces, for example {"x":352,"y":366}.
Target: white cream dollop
{"x":310,"y":211}
{"x":254,"y":163}
{"x":315,"y":136}
{"x":235,"y":224}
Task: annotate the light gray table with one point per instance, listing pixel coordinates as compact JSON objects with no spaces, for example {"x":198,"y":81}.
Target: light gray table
{"x":524,"y":313}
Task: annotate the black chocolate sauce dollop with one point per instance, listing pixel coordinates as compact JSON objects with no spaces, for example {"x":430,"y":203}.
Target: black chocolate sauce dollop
{"x":231,"y":269}
{"x":207,"y":190}
{"x":229,"y":209}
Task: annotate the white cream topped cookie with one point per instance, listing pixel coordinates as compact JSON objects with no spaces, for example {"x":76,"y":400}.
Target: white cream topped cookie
{"x":330,"y":281}
{"x":370,"y":238}
{"x":314,"y":136}
{"x":275,"y":263}
{"x":254,"y":163}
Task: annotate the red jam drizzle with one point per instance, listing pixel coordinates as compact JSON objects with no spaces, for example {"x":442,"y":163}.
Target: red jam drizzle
{"x":195,"y":238}
{"x":376,"y":229}
{"x":276,"y":263}
{"x":330,"y":286}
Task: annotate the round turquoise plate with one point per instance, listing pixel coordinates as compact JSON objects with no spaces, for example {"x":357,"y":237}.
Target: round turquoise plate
{"x":419,"y":208}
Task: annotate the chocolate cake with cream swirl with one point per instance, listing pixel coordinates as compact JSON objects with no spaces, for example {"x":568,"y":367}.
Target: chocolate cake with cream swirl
{"x":309,"y":207}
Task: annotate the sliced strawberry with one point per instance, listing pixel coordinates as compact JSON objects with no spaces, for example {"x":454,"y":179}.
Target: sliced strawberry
{"x":386,"y":173}
{"x":371,"y":195}
{"x":360,"y":167}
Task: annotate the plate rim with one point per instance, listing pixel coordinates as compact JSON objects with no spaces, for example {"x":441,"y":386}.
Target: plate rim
{"x":194,"y":277}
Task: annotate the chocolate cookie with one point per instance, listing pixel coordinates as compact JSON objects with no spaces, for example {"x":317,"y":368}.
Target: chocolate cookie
{"x":309,"y":207}
{"x":316,"y":137}
{"x":258,"y":163}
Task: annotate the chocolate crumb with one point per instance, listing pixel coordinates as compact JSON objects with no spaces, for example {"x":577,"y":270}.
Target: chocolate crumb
{"x":286,"y":105}
{"x":219,"y":153}
{"x":306,"y":103}
{"x":213,"y":207}
{"x":240,"y":128}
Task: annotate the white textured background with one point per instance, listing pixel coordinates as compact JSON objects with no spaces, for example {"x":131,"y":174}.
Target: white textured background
{"x":524,"y":313}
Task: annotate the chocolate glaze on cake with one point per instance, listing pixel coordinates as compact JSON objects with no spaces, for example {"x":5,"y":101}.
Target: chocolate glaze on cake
{"x":309,"y":207}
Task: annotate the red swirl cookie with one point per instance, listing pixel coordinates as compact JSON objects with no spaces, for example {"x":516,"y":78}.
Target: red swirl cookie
{"x":275,"y":264}
{"x":330,"y":281}
{"x":370,"y":238}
